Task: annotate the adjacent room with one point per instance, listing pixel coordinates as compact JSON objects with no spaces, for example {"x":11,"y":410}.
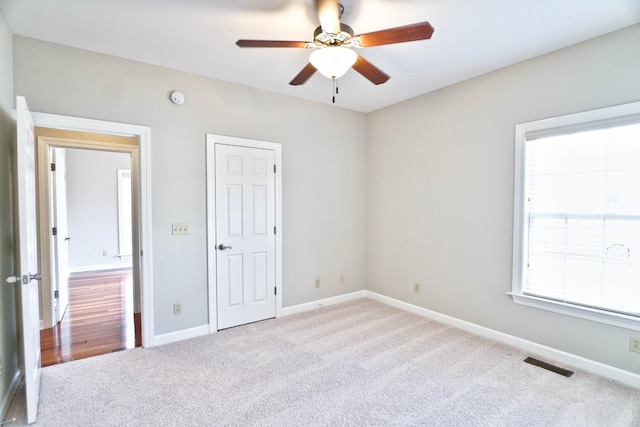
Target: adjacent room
{"x":384,"y":241}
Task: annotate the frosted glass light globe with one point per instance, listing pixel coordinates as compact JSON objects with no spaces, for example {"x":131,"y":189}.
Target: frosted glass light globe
{"x":333,"y":61}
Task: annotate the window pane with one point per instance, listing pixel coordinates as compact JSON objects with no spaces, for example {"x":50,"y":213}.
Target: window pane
{"x":586,"y":192}
{"x":623,"y":192}
{"x":548,"y":193}
{"x":582,"y":218}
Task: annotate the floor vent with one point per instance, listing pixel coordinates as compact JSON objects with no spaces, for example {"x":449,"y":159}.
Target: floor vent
{"x":549,"y":367}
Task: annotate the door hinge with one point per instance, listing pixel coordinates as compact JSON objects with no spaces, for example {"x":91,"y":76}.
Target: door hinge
{"x":53,"y":167}
{"x":275,"y":290}
{"x":274,"y":168}
{"x":274,"y":230}
{"x":56,"y":294}
{"x":54,"y":231}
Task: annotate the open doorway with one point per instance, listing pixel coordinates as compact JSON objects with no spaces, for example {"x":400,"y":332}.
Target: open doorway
{"x":89,"y":293}
{"x":99,"y":318}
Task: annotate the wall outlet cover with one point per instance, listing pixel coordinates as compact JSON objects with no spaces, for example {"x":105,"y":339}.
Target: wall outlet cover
{"x":177,"y":309}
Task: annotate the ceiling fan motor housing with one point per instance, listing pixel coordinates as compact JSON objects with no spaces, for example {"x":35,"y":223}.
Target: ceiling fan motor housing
{"x":329,"y":39}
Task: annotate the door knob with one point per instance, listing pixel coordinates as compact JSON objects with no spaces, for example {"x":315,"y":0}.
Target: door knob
{"x":25,"y":279}
{"x":223,"y":247}
{"x":66,"y":239}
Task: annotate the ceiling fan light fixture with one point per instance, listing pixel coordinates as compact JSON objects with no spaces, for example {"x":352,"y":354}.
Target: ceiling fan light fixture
{"x":333,"y":61}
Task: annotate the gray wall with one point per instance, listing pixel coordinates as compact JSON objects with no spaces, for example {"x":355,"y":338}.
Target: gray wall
{"x":324,"y":166}
{"x":92,"y":208}
{"x":8,"y":340}
{"x":433,"y":187}
{"x":440,"y":190}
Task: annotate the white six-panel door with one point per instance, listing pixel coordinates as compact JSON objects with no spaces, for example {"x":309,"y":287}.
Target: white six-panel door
{"x":28,"y":257}
{"x":244,"y":235}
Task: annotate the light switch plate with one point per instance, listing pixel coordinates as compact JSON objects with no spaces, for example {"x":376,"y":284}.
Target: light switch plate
{"x":180,"y":228}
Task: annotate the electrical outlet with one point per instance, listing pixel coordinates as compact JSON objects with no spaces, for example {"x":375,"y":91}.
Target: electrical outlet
{"x":634,"y":344}
{"x":317,"y":283}
{"x":180,"y":228}
{"x":104,"y":253}
{"x":177,"y":309}
{"x":341,"y":277}
{"x":416,"y":287}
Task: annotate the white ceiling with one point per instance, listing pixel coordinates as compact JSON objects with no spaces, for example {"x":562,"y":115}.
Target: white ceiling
{"x":471,"y":37}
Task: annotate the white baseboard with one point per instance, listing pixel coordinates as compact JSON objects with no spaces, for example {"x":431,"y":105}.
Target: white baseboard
{"x":99,"y":267}
{"x":206,"y":330}
{"x":616,"y":374}
{"x":8,"y":397}
{"x":598,"y":368}
{"x":180,"y":335}
{"x":300,"y":308}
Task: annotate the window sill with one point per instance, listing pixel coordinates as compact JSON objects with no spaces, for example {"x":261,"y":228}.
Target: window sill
{"x":601,"y":316}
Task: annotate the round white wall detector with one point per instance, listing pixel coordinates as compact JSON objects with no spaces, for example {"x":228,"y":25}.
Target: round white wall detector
{"x":177,"y":97}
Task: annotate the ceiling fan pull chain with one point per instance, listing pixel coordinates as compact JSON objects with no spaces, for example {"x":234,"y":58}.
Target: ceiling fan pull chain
{"x":335,"y":90}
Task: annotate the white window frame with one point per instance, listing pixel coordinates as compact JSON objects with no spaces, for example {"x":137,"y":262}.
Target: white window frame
{"x":125,"y":226}
{"x":588,"y":119}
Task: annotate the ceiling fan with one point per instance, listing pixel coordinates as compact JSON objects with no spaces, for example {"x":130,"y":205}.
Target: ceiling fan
{"x":333,"y":40}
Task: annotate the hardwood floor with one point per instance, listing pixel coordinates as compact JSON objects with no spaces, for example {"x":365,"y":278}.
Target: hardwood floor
{"x":98,"y":320}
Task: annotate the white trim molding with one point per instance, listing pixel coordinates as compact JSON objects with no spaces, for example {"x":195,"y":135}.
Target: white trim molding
{"x":184,"y":334}
{"x":559,"y":356}
{"x":143,"y":133}
{"x":607,"y":371}
{"x":301,"y":308}
{"x":524,"y":132}
{"x":601,"y":316}
{"x":8,"y":397}
{"x":100,"y":267}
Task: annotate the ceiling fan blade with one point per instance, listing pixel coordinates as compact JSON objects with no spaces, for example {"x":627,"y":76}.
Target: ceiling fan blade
{"x":271,"y":43}
{"x":370,"y":71}
{"x":329,"y":15}
{"x":406,"y":33}
{"x":303,"y":75}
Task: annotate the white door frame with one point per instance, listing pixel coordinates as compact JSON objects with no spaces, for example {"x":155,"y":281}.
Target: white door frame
{"x":212,"y":140}
{"x":45,"y":142}
{"x":58,"y":244}
{"x":143,"y":133}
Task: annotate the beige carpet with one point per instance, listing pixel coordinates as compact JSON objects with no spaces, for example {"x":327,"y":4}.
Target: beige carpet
{"x":360,"y":363}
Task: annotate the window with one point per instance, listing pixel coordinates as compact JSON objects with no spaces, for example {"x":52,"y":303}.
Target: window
{"x":124,"y":213}
{"x":577,"y":215}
